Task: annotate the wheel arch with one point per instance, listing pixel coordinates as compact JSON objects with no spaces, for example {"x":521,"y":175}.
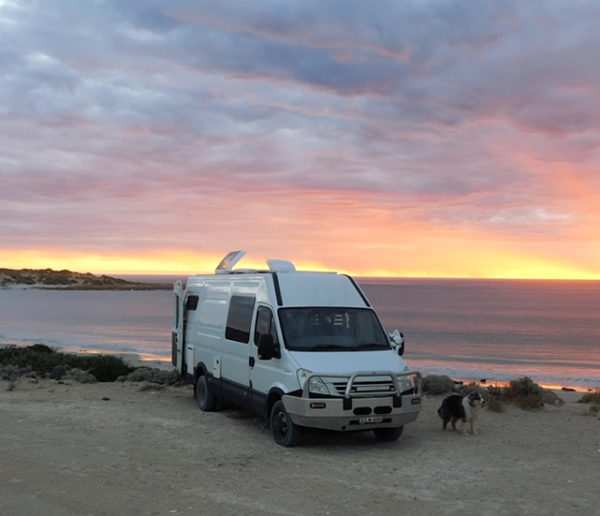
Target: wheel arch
{"x":275,"y":394}
{"x":199,"y":370}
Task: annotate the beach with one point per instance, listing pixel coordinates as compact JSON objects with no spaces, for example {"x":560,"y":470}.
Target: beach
{"x":134,"y":448}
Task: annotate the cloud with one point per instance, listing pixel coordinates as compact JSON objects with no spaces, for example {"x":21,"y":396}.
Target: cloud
{"x":146,"y":123}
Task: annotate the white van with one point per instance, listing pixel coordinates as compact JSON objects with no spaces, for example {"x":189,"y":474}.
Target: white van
{"x":304,"y":349}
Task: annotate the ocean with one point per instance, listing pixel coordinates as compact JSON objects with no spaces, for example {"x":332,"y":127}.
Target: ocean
{"x":491,"y":330}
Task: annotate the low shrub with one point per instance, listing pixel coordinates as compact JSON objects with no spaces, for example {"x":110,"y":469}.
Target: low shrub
{"x":105,"y":368}
{"x":45,"y":362}
{"x":437,"y":384}
{"x":153,"y":375}
{"x":591,"y":397}
{"x":523,"y":392}
{"x":10,"y":373}
{"x":495,"y":404}
{"x":80,"y":376}
{"x":151,"y":387}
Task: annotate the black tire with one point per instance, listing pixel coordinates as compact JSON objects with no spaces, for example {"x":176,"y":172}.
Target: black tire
{"x":205,"y":400}
{"x":388,"y":434}
{"x":285,"y":432}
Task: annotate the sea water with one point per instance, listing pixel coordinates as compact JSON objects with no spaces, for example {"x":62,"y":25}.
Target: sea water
{"x":496,"y":330}
{"x":492,"y":330}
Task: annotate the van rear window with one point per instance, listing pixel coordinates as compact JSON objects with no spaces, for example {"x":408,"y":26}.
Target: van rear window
{"x":191,"y":303}
{"x":239,"y":318}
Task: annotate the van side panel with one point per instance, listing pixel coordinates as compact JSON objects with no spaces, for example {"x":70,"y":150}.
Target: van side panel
{"x":226,"y":361}
{"x":206,"y":324}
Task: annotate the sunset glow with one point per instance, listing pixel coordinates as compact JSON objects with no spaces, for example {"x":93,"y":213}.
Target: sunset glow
{"x":419,"y":139}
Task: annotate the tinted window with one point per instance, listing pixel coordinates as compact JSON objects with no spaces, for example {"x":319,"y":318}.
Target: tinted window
{"x":265,"y":325}
{"x":332,"y":329}
{"x":239,"y":318}
{"x":191,"y":303}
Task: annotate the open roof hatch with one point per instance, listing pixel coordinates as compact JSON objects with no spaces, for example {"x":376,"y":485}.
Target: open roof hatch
{"x":227,"y":263}
{"x":231,"y":259}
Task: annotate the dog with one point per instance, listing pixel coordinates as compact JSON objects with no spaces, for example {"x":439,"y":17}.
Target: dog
{"x":466,"y":408}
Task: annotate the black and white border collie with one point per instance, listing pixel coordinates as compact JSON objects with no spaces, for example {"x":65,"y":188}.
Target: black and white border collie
{"x":464,"y":408}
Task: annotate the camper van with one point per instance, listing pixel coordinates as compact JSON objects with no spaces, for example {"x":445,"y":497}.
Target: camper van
{"x":304,"y":349}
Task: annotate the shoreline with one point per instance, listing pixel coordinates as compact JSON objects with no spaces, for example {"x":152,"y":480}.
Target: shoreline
{"x":135,"y":359}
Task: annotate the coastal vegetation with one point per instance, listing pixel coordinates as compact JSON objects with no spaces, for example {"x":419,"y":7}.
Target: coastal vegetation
{"x":41,"y":361}
{"x":594,"y":399}
{"x":522,"y":392}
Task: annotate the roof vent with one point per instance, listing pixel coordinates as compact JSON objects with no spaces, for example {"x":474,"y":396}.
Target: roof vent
{"x":281,"y":266}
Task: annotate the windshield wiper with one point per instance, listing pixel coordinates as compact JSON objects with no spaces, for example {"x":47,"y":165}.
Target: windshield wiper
{"x":320,"y":347}
{"x":363,"y":347}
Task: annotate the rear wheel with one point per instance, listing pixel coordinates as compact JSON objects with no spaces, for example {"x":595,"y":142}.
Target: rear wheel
{"x":388,"y":434}
{"x":285,"y":432}
{"x":205,"y":400}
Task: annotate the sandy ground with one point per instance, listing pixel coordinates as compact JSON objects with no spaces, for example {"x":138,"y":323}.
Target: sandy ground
{"x":113,"y":448}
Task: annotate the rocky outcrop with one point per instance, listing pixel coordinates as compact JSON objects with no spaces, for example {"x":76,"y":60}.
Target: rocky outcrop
{"x":65,"y":279}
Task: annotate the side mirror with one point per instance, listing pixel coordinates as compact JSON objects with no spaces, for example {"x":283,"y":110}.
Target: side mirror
{"x":396,"y":338}
{"x":266,"y":347}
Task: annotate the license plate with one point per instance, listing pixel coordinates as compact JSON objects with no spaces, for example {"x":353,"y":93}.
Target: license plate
{"x":370,"y":419}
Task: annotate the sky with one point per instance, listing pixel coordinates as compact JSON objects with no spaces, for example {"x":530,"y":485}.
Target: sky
{"x":418,"y":138}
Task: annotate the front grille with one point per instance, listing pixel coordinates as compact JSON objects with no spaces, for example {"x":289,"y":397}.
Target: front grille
{"x":372,"y":387}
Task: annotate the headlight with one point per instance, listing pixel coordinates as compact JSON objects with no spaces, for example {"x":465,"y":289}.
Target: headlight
{"x":303,"y":374}
{"x":315,"y":385}
{"x":405,"y":383}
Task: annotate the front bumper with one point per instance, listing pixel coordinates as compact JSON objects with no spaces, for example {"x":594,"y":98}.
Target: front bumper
{"x":357,"y":411}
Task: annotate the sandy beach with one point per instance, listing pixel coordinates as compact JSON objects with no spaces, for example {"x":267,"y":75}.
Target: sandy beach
{"x":123,"y":448}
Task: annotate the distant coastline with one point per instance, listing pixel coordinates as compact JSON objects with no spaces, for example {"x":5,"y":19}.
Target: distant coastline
{"x":69,"y":280}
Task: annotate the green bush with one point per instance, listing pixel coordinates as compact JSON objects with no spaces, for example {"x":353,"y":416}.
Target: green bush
{"x":594,"y":398}
{"x":45,"y":362}
{"x":523,"y":392}
{"x":591,"y":397}
{"x":437,"y":384}
{"x":153,"y":375}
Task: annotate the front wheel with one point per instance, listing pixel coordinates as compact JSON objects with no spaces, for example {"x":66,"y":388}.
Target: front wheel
{"x":285,"y":432}
{"x":204,"y":398}
{"x":388,"y":434}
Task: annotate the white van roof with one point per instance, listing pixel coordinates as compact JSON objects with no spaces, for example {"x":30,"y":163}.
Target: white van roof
{"x":296,"y":288}
{"x":319,"y":289}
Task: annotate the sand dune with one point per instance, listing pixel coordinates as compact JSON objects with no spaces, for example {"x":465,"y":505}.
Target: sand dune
{"x":112,"y":448}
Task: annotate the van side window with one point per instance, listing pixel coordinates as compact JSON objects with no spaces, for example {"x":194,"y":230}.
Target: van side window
{"x":239,"y":318}
{"x":265,"y":325}
{"x":191,"y":303}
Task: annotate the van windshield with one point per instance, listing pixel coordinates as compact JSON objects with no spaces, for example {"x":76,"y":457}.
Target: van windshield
{"x":332,"y":329}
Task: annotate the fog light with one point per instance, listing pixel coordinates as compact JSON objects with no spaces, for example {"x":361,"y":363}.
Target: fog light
{"x":318,"y":404}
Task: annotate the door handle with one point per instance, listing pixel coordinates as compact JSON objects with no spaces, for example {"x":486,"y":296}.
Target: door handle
{"x":251,"y":361}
